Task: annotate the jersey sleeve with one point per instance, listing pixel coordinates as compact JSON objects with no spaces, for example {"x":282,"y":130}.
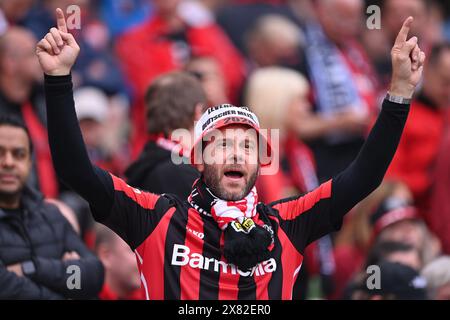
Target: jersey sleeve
{"x":307,"y":218}
{"x":134,"y":213}
{"x":131,"y":213}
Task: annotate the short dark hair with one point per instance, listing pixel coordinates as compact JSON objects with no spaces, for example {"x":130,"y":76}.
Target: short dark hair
{"x":382,"y":249}
{"x":437,"y":50}
{"x":14,"y":121}
{"x":171,"y":100}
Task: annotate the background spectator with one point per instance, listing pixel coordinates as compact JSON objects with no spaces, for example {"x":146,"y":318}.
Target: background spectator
{"x":166,"y":42}
{"x":121,"y":273}
{"x":397,"y":282}
{"x":342,"y":78}
{"x":208,"y":71}
{"x":22,"y":96}
{"x":154,"y":170}
{"x":37,"y":244}
{"x":437,"y":274}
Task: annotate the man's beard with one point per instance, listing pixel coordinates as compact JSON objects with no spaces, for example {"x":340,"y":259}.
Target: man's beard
{"x":7,"y":197}
{"x":212,"y":180}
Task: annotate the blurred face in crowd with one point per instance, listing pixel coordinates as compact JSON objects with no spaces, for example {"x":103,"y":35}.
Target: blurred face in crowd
{"x":281,"y":52}
{"x":166,"y":7}
{"x":407,"y":231}
{"x":436,"y":83}
{"x":17,"y":58}
{"x":230,"y":161}
{"x":15,"y":160}
{"x":341,"y":19}
{"x":15,"y":10}
{"x":298,"y":110}
{"x":394,"y":12}
{"x":120,"y":264}
{"x":409,"y":258}
{"x":211,"y":77}
{"x":92,"y":132}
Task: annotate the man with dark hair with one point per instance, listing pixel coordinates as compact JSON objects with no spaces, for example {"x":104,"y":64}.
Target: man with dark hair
{"x":220,"y":243}
{"x":22,"y":96}
{"x":155,"y":171}
{"x":38,"y":246}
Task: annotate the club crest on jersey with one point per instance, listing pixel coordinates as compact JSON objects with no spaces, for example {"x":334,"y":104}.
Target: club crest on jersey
{"x":245,"y":226}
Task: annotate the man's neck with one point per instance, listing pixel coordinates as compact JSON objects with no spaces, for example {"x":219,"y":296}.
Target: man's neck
{"x":15,"y":90}
{"x":9,"y":202}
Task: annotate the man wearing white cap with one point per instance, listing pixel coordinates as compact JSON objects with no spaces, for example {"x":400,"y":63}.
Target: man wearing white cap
{"x":220,"y":243}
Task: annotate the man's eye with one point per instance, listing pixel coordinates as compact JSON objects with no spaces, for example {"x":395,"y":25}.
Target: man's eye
{"x":19,"y":154}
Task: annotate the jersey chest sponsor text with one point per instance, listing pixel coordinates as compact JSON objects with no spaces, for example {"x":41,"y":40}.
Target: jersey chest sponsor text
{"x":182,"y":256}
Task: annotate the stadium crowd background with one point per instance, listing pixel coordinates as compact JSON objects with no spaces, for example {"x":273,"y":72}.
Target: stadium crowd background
{"x":290,"y":62}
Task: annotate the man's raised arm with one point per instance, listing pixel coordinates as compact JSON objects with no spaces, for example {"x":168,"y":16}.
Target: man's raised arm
{"x":57,"y":53}
{"x":321,"y":211}
{"x":365,"y":174}
{"x":113,"y":203}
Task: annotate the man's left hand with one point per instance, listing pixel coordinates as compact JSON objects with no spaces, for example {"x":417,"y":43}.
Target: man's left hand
{"x":16,"y":268}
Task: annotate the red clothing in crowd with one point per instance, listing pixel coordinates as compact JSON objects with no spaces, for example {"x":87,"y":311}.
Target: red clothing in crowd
{"x":48,"y":182}
{"x":108,"y":294}
{"x":439,"y":214}
{"x":151,"y":49}
{"x":415,"y":158}
{"x":297,"y":173}
{"x":349,"y":260}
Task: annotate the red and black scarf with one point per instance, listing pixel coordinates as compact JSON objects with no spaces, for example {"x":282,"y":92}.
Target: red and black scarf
{"x":248,"y":232}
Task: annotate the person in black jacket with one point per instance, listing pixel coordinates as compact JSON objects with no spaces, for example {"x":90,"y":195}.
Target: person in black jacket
{"x":41,"y":256}
{"x":154,"y":171}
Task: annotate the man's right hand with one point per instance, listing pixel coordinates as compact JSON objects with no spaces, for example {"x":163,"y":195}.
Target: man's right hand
{"x":58,"y":50}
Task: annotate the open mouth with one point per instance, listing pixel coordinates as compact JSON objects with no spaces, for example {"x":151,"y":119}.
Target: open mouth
{"x":233,"y":174}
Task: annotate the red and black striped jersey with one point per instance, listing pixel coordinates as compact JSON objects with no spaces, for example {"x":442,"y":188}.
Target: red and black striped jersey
{"x":178,"y":249}
{"x":179,"y":252}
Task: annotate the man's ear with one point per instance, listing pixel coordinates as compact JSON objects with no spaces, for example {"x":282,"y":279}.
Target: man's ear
{"x":198,"y":111}
{"x":104,"y":254}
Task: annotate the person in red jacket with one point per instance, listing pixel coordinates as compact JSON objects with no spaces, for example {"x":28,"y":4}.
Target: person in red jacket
{"x":414,"y":160}
{"x":165,"y":43}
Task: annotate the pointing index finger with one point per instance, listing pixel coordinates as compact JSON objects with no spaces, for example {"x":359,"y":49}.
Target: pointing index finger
{"x":61,"y":20}
{"x":403,"y":34}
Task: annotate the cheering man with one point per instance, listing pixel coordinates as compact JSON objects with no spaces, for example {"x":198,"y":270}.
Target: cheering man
{"x":220,"y":243}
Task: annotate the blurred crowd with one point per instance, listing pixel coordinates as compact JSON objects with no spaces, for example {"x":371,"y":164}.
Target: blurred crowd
{"x":311,"y":68}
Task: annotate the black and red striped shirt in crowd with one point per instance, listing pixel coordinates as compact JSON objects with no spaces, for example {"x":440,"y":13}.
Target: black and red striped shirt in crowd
{"x":181,"y":257}
{"x":178,"y":249}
